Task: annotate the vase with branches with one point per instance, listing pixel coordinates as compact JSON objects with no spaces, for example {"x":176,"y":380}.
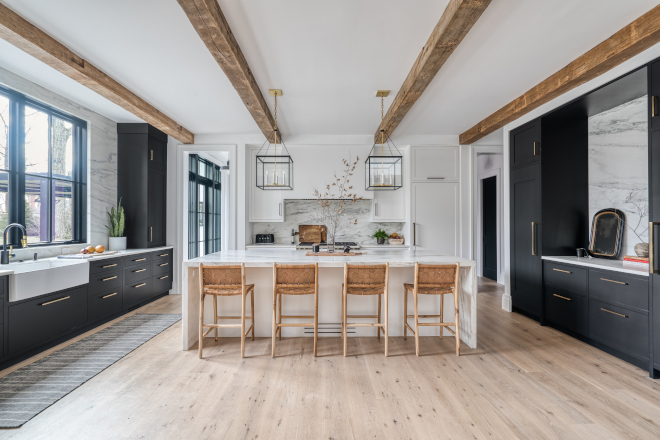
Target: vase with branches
{"x":638,"y":207}
{"x":333,"y":202}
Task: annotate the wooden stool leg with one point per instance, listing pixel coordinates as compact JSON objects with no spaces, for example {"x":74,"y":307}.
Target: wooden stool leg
{"x":243,"y":300}
{"x":215,"y":314}
{"x":415,"y":296}
{"x":442,"y":312}
{"x":252,"y":311}
{"x":458,"y":336}
{"x":279,"y":315}
{"x":201,"y":322}
{"x":316,"y":320}
{"x":343,"y":327}
{"x":387,"y":347}
{"x":405,"y":313}
{"x":379,"y":307}
{"x":343,"y":318}
{"x":274,"y":319}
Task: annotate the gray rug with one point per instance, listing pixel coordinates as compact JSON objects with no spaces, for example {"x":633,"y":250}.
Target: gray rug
{"x":33,"y":388}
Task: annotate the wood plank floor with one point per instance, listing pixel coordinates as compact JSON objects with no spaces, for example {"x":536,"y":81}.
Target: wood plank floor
{"x":523,"y":382}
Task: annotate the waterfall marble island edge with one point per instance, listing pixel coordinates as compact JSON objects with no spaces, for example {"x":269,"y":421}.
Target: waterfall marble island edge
{"x":259,"y":271}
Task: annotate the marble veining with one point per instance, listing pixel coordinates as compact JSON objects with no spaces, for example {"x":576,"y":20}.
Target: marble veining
{"x":618,"y":167}
{"x":102,"y":154}
{"x":301,"y":212}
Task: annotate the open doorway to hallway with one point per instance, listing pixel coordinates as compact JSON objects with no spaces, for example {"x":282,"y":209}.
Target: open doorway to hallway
{"x":489,"y":249}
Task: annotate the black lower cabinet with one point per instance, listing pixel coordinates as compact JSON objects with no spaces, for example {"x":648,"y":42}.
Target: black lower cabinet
{"x":137,"y":292}
{"x":567,"y":309}
{"x":104,"y":304}
{"x":619,"y":328}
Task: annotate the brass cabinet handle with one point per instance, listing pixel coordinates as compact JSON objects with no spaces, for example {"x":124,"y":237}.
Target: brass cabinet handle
{"x":562,"y":297}
{"x":152,"y":154}
{"x":535,"y":153}
{"x":140,"y":285}
{"x":559,"y":270}
{"x":614,"y":313}
{"x":414,"y":234}
{"x":55,"y":300}
{"x":108,"y":296}
{"x":141,"y":270}
{"x":534,"y":251}
{"x":652,"y":226}
{"x":164,"y":264}
{"x":151,"y":233}
{"x":163,"y":255}
{"x":111,"y":278}
{"x":141,"y":259}
{"x":109,"y":265}
{"x":162,"y":278}
{"x":612,"y":281}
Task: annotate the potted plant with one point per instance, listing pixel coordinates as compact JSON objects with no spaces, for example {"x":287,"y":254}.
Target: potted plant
{"x":380,"y":235}
{"x":116,"y":219}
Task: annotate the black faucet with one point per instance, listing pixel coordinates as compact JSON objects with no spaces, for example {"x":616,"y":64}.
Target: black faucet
{"x":5,"y":254}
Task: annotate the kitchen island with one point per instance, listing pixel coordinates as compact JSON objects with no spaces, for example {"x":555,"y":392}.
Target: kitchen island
{"x":259,"y":271}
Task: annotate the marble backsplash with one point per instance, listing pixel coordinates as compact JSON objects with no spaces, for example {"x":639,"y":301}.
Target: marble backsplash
{"x":301,"y":212}
{"x":618,"y":167}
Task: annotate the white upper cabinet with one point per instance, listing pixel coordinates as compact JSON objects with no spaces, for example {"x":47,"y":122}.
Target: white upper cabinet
{"x":265,"y":205}
{"x":389,"y":206}
{"x":435,"y":164}
{"x":435,"y":216}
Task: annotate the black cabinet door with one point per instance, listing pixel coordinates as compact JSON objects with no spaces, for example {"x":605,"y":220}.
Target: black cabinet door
{"x":526,"y":277}
{"x":525,"y":144}
{"x":156,"y":207}
{"x":157,"y":153}
{"x":654,"y":98}
{"x":654,"y":187}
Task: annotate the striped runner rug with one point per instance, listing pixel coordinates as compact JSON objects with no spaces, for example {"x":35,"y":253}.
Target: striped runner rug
{"x":33,"y":388}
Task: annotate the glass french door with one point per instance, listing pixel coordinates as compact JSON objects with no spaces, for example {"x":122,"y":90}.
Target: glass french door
{"x":204,"y":207}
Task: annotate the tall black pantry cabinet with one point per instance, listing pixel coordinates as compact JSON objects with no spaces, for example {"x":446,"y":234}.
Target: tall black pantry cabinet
{"x":654,"y":214}
{"x":142,"y":183}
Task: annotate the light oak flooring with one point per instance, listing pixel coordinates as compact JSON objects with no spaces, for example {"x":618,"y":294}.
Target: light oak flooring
{"x":523,"y":382}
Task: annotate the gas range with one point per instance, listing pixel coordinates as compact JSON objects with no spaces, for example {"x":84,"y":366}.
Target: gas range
{"x":338,"y":245}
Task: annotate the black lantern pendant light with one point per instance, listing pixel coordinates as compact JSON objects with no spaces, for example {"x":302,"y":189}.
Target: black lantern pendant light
{"x":384,"y":170}
{"x":274,"y":168}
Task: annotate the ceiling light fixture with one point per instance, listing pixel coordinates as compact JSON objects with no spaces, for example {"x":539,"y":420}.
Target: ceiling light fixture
{"x":384,"y":164}
{"x":274,"y":169}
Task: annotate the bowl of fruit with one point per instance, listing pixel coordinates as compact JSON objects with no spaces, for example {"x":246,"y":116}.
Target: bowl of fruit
{"x":396,"y":239}
{"x":91,"y":249}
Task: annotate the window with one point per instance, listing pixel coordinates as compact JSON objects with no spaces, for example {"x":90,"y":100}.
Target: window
{"x":204,"y":219}
{"x":42,"y":171}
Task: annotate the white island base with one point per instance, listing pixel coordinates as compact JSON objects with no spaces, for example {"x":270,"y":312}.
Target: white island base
{"x":259,"y":271}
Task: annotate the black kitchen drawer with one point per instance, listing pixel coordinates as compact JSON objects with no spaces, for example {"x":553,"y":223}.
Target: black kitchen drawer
{"x":619,"y":289}
{"x":104,"y":281}
{"x":565,"y":277}
{"x":105,"y":304}
{"x":136,"y":273}
{"x":137,"y":292}
{"x":162,"y":255}
{"x":3,"y":284}
{"x":106,"y":265}
{"x":619,"y":328}
{"x":567,"y":309}
{"x":162,"y":283}
{"x":137,"y":259}
{"x":39,"y":320}
{"x":2,"y":309}
{"x":161,"y":267}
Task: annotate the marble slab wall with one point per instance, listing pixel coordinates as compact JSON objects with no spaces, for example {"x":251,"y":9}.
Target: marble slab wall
{"x":102,"y":153}
{"x":301,"y":212}
{"x":618,"y":167}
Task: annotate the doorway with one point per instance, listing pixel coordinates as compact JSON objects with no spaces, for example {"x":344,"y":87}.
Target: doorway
{"x":489,"y":227}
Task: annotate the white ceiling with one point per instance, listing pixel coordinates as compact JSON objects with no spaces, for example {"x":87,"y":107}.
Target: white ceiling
{"x":328,"y":57}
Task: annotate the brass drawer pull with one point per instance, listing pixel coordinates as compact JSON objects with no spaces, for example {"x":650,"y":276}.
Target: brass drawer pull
{"x":141,"y":270}
{"x":109,"y":265}
{"x":164,"y":264}
{"x":559,"y":270}
{"x":108,"y":296}
{"x":55,"y":300}
{"x":562,"y":297}
{"x":111,"y":278}
{"x":162,"y":278}
{"x":614,"y":313}
{"x":163,"y":255}
{"x":612,"y":281}
{"x":140,"y":285}
{"x":141,"y":259}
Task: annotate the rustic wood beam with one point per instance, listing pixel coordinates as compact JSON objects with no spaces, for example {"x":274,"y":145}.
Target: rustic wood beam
{"x":455,"y":23}
{"x":19,"y":32}
{"x":210,"y":23}
{"x":628,"y":42}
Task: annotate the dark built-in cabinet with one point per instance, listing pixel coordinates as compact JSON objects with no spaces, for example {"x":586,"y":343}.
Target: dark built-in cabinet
{"x":142,"y":183}
{"x":116,"y":286}
{"x":654,"y":216}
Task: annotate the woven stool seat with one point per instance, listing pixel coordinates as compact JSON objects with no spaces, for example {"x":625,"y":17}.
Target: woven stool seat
{"x":226,"y":290}
{"x":428,"y":290}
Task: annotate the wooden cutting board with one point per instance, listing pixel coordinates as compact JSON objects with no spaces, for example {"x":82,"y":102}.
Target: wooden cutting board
{"x":333,"y":254}
{"x":311,"y":233}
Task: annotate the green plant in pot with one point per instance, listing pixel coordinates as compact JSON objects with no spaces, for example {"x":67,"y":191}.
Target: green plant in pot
{"x":116,"y":220}
{"x":381,"y":236}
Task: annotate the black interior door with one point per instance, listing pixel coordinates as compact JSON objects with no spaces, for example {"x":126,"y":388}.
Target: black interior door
{"x":526,"y":271}
{"x":157,"y":192}
{"x":489,"y":227}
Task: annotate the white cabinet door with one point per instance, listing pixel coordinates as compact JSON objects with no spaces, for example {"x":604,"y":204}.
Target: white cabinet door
{"x":265,"y":205}
{"x":435,"y":214}
{"x":389,"y":206}
{"x":435,"y":163}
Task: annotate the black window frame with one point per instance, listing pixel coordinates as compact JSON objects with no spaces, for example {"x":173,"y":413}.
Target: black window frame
{"x":17,"y":174}
{"x":212,"y":211}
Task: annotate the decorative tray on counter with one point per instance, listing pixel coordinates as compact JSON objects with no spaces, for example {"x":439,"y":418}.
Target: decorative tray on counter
{"x":85,"y":256}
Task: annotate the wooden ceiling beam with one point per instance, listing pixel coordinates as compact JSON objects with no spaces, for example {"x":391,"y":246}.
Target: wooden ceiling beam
{"x":628,"y":42}
{"x":19,"y":32}
{"x":455,"y":23}
{"x":210,"y":23}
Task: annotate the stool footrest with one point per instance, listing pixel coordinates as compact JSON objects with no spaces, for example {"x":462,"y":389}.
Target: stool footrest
{"x":425,"y":316}
{"x":362,"y":316}
{"x":436,"y":324}
{"x":296,"y":324}
{"x":297,"y":316}
{"x":363,"y":324}
{"x":232,"y":317}
{"x":212,"y":326}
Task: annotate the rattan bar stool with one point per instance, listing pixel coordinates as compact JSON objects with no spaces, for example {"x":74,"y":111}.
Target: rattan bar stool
{"x":365,"y":280}
{"x":432,"y":280}
{"x":225,"y":280}
{"x":295,"y":279}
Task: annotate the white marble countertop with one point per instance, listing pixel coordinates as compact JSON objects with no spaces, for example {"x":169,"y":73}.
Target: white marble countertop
{"x":266,"y":258}
{"x":600,"y":263}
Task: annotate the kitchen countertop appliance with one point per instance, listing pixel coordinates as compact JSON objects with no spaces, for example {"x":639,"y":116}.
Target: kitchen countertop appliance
{"x":265,"y":239}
